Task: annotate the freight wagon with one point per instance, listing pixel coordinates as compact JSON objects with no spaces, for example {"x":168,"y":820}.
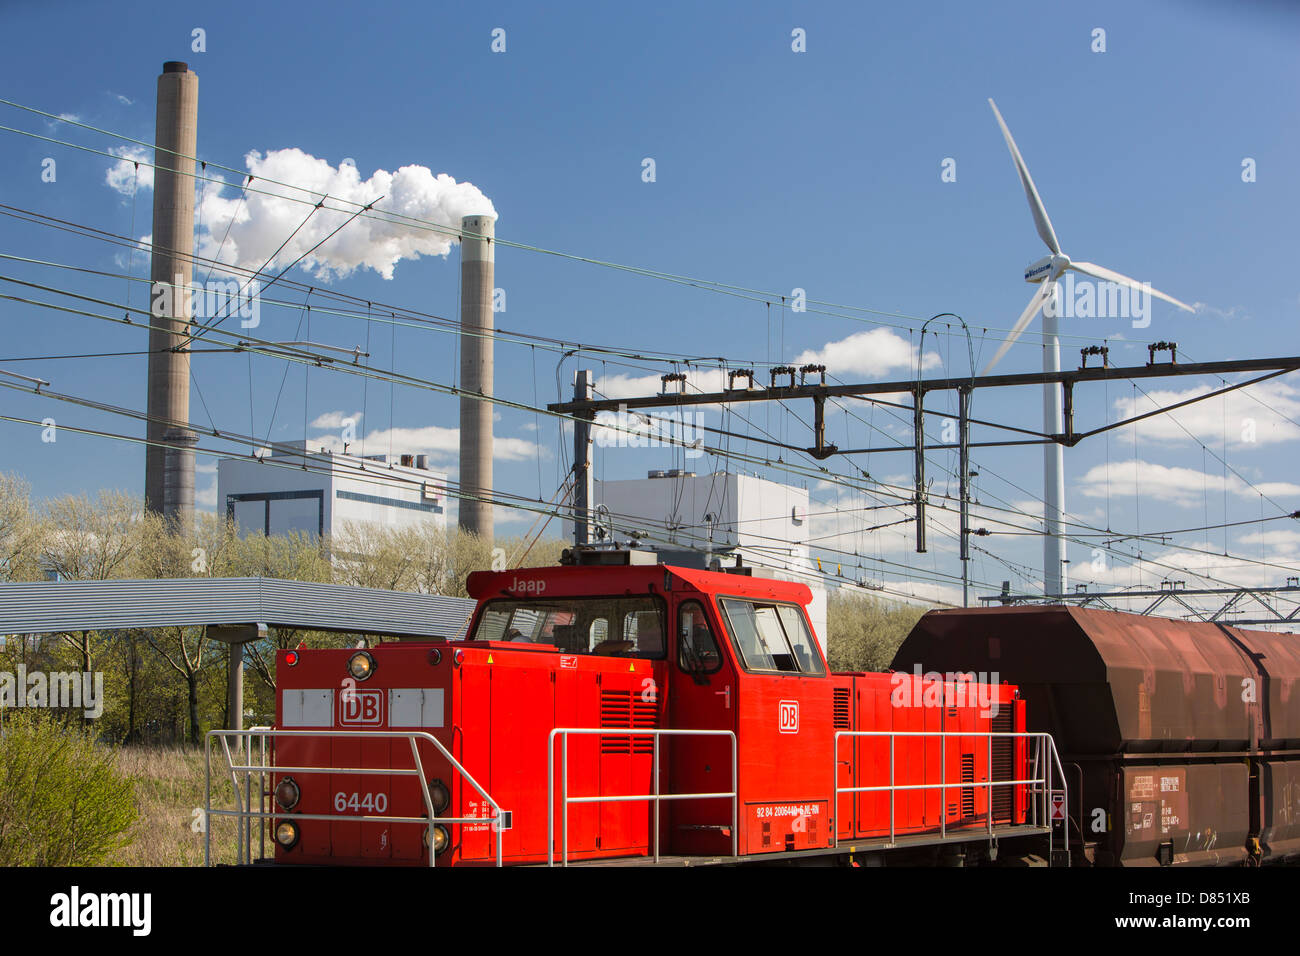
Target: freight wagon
{"x":1180,"y":739}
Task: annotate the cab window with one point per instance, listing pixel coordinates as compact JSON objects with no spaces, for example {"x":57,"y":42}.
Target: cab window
{"x":697,"y":651}
{"x":608,"y":627}
{"x":771,"y":638}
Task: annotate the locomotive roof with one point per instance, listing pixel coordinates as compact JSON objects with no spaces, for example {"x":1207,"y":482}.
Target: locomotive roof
{"x":574,"y":581}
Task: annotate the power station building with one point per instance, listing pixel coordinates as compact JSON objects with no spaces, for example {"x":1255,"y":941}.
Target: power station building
{"x":763,"y":522}
{"x":320,"y":493}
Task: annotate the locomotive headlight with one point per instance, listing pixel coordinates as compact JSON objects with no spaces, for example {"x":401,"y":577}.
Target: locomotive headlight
{"x":286,"y":834}
{"x":441,"y":839}
{"x":361,"y":665}
{"x":440,"y":795}
{"x":287,"y":793}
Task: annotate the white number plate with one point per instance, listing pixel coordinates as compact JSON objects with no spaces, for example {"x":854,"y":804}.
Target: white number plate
{"x":361,"y":802}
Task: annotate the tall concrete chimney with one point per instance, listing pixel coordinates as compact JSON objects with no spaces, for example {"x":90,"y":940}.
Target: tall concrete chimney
{"x":477,"y":259}
{"x":169,"y":471}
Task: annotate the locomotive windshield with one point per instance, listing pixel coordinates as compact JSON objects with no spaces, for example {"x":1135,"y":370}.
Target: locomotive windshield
{"x":771,"y":637}
{"x":623,"y":627}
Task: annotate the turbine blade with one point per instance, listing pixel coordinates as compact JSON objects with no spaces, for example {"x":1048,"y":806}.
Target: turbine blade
{"x":1044,"y":224}
{"x":1101,"y":272}
{"x":1036,"y":303}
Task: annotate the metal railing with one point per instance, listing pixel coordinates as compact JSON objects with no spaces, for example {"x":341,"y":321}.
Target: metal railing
{"x":244,"y":813}
{"x":1044,"y":760}
{"x":655,"y":797}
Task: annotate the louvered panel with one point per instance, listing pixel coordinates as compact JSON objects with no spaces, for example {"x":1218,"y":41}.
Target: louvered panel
{"x":644,"y":714}
{"x":842,"y":700}
{"x":615,"y":711}
{"x":968,"y":793}
{"x":1003,"y":767}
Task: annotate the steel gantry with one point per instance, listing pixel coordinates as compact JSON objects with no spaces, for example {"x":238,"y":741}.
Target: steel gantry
{"x":585,"y":408}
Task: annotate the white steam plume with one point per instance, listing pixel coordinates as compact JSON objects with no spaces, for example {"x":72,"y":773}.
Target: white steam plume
{"x":261,"y":222}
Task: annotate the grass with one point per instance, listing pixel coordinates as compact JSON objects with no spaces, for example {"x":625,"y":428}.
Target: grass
{"x":169,"y":788}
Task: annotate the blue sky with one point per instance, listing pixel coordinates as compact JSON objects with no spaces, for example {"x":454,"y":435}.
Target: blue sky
{"x":774,"y":170}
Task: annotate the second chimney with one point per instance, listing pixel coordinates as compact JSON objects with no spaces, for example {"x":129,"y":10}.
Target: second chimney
{"x":476,"y":326}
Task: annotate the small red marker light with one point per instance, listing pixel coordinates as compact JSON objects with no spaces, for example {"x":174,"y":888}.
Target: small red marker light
{"x":291,"y":658}
{"x":435,"y":657}
{"x":458,"y":657}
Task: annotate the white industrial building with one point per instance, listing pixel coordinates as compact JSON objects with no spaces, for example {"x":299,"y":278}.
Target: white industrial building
{"x":320,"y":493}
{"x":764,"y":522}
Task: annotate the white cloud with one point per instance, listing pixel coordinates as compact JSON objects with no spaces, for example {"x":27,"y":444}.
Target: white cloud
{"x":630,"y":386}
{"x":1175,"y":485}
{"x":124,"y":175}
{"x":432,"y":440}
{"x":1285,"y":541}
{"x":1261,"y":417}
{"x":336,"y":419}
{"x":206,"y":498}
{"x":1232,"y":313}
{"x":1199,"y":564}
{"x":870,"y":353}
{"x":270,"y":213}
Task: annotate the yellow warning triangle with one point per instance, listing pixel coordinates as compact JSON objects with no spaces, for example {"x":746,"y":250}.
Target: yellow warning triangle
{"x":489,"y":657}
{"x":631,"y":666}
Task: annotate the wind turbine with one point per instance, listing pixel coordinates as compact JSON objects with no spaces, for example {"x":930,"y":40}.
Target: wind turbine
{"x":1045,"y":272}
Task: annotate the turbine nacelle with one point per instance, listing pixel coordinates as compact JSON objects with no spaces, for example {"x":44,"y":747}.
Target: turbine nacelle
{"x":1048,"y":267}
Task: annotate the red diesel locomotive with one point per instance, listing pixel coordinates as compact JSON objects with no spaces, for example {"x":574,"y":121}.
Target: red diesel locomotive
{"x":642,"y":712}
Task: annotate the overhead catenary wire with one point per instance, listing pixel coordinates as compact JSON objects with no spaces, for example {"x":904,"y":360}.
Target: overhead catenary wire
{"x":785,"y":464}
{"x":821,"y":473}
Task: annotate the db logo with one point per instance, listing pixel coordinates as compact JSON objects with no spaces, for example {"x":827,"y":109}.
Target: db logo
{"x":788,"y":720}
{"x":361,"y":707}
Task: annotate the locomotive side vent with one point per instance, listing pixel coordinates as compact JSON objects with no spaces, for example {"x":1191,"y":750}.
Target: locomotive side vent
{"x":968,"y":776}
{"x":842,"y":697}
{"x":1003,"y":764}
{"x":625,"y":709}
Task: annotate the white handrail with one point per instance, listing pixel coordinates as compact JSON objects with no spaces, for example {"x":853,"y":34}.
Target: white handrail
{"x":655,"y":798}
{"x":1044,"y":757}
{"x":244,"y":815}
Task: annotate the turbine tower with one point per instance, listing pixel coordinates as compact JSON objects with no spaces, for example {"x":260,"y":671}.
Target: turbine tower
{"x":1045,"y":273}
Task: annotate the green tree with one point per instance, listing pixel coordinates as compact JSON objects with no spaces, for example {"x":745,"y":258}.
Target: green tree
{"x":863,"y":632}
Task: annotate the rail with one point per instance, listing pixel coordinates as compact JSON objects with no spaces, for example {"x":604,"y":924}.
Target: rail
{"x":1045,"y":759}
{"x":244,"y":813}
{"x":655,"y":798}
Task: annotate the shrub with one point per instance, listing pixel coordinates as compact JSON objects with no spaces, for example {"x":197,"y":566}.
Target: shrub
{"x":62,"y":800}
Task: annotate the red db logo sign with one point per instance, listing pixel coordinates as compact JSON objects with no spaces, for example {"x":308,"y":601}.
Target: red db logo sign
{"x":361,"y":708}
{"x":788,"y":717}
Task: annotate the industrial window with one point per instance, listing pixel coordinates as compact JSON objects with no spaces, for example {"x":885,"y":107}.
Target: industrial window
{"x":697,"y":651}
{"x":278,"y":512}
{"x":771,"y":638}
{"x":607,"y":627}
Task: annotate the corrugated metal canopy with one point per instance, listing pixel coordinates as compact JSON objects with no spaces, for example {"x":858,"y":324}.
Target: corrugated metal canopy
{"x":51,"y":606}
